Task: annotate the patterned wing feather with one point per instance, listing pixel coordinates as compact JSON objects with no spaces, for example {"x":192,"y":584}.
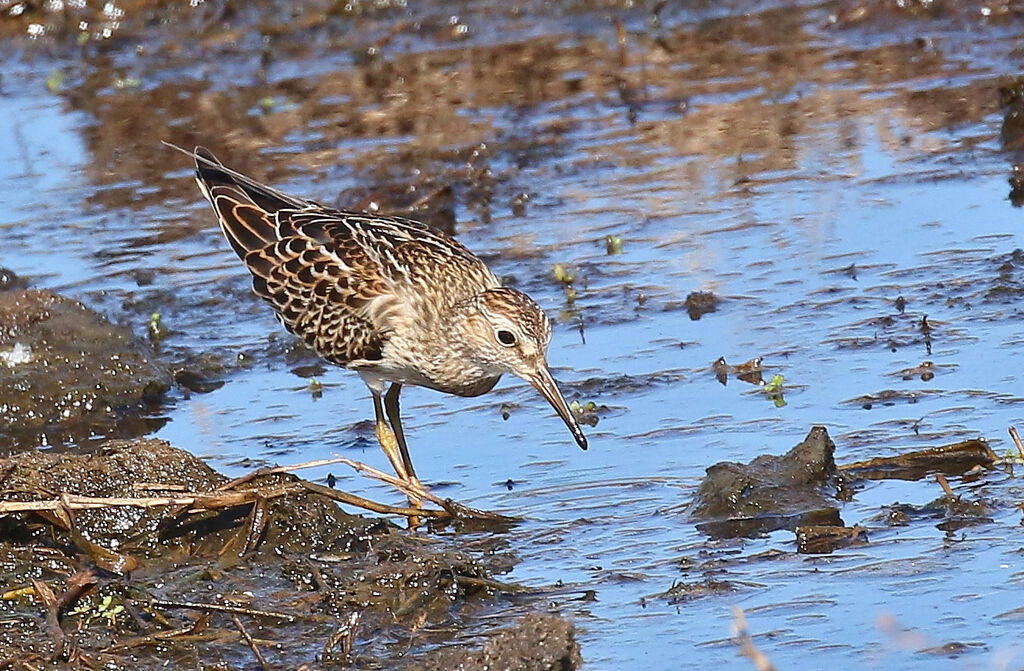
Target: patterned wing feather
{"x":342,"y":281}
{"x":314,"y":298}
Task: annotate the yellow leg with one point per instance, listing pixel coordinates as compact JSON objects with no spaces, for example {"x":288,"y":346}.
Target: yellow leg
{"x":389,"y":443}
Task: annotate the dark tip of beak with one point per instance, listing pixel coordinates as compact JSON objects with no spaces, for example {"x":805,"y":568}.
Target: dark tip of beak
{"x":545,"y":384}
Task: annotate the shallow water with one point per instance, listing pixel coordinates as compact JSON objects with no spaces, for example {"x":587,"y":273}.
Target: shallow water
{"x":806,"y":167}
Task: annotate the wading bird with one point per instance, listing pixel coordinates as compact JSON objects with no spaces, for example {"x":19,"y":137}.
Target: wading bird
{"x":397,"y":301}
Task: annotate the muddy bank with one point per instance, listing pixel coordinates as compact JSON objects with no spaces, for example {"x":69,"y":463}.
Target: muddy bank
{"x":136,"y":586}
{"x":67,"y":373}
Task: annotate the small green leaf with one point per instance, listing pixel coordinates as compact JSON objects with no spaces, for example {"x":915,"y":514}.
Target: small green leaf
{"x":563,"y":274}
{"x":55,"y":82}
{"x":774,"y":385}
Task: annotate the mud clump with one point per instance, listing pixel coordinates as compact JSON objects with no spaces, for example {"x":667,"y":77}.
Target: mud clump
{"x":1011,"y":99}
{"x":67,"y":372}
{"x":9,"y":280}
{"x":798,"y":488}
{"x":700,"y":303}
{"x":535,"y":643}
{"x":117,"y":469}
{"x":173,"y":577}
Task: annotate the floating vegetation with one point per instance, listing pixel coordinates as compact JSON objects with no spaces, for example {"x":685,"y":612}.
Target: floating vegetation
{"x":563,"y":274}
{"x":613,"y":244}
{"x":156,"y":328}
{"x":773,"y":390}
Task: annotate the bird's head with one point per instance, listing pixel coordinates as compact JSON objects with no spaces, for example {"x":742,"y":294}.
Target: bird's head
{"x":508,"y":333}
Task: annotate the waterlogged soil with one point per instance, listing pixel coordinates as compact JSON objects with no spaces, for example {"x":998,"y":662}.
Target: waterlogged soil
{"x":746,"y":219}
{"x":70,"y":373}
{"x":295,"y":566}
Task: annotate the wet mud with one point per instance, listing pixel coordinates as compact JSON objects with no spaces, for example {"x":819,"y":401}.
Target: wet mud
{"x":799,"y":488}
{"x":803,"y":491}
{"x":70,"y":373}
{"x":98,"y":582}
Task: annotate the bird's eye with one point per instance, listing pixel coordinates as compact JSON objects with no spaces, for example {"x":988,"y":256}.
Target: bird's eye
{"x":506,"y":338}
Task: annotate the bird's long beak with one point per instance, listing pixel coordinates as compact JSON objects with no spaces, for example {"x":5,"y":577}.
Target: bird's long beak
{"x":545,"y":384}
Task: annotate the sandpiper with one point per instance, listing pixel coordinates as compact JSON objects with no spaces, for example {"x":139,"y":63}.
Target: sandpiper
{"x":398,"y":301}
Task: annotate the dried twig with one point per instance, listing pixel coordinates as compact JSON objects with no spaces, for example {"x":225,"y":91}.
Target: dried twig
{"x":220,"y":608}
{"x":450,"y":507}
{"x":352,"y":499}
{"x":746,"y":643}
{"x":392,"y":480}
{"x":248,"y":639}
{"x":227,"y":496}
{"x":944,"y":483}
{"x":220,"y":499}
{"x":316,"y":463}
{"x":158,"y":487}
{"x":193,"y":630}
{"x":1016,"y":441}
{"x":199,"y":501}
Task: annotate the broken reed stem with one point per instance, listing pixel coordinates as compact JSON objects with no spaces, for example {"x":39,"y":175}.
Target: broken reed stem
{"x":394,"y":481}
{"x":746,"y":642}
{"x":223,"y":498}
{"x":219,"y":608}
{"x":226,"y":496}
{"x":210,"y":501}
{"x":196,"y":501}
{"x":944,"y":483}
{"x":451,"y":508}
{"x":352,"y":499}
{"x":252,"y":644}
{"x":281,"y":469}
{"x":1016,"y":441}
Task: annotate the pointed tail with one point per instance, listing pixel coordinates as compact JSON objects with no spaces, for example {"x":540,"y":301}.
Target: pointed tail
{"x":244,"y":207}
